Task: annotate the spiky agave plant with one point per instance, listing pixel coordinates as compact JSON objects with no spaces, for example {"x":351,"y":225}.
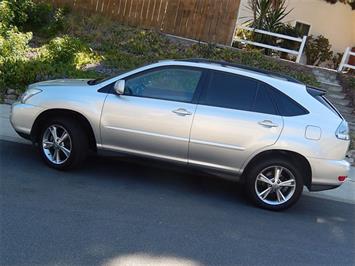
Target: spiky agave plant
{"x":267,"y":15}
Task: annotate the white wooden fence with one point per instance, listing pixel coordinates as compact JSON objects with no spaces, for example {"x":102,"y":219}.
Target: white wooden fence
{"x":345,"y":60}
{"x":277,"y":48}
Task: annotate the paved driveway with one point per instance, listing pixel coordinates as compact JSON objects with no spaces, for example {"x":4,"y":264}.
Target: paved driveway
{"x":122,"y":212}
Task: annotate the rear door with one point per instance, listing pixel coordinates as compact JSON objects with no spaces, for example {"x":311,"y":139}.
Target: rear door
{"x":234,"y":118}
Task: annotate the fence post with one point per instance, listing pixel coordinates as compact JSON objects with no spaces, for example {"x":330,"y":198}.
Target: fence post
{"x":344,"y":60}
{"x":300,"y":51}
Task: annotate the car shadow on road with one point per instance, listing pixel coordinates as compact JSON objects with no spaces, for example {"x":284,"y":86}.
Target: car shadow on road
{"x":129,"y":210}
{"x":153,"y":174}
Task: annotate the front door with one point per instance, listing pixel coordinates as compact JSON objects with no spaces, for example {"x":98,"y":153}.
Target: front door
{"x":154,"y":115}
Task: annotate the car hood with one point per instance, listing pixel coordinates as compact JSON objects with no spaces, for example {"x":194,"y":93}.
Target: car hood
{"x":61,"y":82}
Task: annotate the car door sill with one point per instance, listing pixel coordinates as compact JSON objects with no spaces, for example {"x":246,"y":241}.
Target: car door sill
{"x":215,"y":166}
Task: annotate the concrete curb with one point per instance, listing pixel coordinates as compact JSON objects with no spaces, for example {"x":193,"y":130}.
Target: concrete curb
{"x":327,"y":197}
{"x":345,"y":193}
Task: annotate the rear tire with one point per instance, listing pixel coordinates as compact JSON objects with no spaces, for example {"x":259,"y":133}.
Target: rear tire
{"x":274,"y":184}
{"x":63,"y":143}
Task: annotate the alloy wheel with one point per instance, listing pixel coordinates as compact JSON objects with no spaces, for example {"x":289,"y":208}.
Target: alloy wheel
{"x":56,"y":144}
{"x":275,"y":185}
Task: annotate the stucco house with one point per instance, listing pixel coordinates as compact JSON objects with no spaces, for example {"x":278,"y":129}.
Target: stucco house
{"x":318,"y":17}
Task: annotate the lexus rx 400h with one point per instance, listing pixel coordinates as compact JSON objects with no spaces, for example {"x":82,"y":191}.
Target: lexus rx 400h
{"x":272,"y":133}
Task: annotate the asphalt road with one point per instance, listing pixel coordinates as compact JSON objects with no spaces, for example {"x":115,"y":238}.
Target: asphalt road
{"x":122,"y":211}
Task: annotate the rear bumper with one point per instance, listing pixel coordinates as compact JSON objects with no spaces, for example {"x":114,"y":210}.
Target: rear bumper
{"x":325,"y":173}
{"x":318,"y":187}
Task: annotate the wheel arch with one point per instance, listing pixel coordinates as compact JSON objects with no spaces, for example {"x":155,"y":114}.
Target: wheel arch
{"x":295,"y":158}
{"x":51,"y":113}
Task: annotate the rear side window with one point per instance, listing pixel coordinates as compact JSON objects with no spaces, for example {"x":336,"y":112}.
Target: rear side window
{"x":263,"y":102}
{"x":230,"y":91}
{"x":285,"y":105}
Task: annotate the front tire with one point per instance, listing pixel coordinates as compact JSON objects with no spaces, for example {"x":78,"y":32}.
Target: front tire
{"x":63,"y":143}
{"x":274,"y":184}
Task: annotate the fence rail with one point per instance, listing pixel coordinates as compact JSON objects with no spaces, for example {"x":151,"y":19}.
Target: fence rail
{"x":345,"y":61}
{"x":204,"y":20}
{"x":277,"y":48}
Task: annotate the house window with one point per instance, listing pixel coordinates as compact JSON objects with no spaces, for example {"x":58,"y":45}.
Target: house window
{"x":303,"y":28}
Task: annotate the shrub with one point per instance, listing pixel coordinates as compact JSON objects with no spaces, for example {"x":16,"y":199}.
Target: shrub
{"x":63,"y":49}
{"x":40,"y":14}
{"x":348,"y":82}
{"x":123,"y":60}
{"x":69,"y":50}
{"x":13,"y":44}
{"x":289,"y":30}
{"x":30,"y":16}
{"x":335,"y":60}
{"x":13,"y":48}
{"x":6,"y":15}
{"x":16,"y":11}
{"x":318,"y":50}
{"x":61,"y":57}
{"x":144,"y":42}
{"x":58,"y":21}
{"x":55,"y":24}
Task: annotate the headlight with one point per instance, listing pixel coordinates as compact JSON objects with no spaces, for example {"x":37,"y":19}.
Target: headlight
{"x":343,"y":131}
{"x":28,"y":94}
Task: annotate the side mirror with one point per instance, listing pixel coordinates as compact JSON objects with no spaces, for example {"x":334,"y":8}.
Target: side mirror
{"x":119,"y":86}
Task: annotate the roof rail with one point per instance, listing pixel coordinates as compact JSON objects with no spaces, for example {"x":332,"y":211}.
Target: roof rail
{"x":227,"y":64}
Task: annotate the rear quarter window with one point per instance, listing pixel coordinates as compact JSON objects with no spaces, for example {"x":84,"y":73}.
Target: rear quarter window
{"x":285,"y":105}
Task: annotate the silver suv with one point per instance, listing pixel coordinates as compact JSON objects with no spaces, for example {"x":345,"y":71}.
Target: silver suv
{"x":266,"y":130}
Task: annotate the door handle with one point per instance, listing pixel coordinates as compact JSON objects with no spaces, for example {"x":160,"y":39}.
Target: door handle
{"x":268,"y":123}
{"x":182,"y":112}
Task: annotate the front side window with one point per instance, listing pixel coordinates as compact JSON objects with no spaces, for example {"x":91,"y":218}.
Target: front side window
{"x":230,"y":91}
{"x":177,"y":84}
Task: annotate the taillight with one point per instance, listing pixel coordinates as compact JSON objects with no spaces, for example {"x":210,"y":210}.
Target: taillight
{"x":343,"y":131}
{"x":342,"y":178}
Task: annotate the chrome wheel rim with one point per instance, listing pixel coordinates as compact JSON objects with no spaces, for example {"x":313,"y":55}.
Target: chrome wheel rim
{"x":56,"y":144}
{"x":275,"y":185}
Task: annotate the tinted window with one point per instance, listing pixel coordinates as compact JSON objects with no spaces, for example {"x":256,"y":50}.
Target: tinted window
{"x":263,"y":102}
{"x":230,"y":91}
{"x":286,"y":106}
{"x":178,"y":84}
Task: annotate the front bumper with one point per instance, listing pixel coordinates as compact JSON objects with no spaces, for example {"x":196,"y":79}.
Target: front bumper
{"x":23,"y":116}
{"x":325,"y":173}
